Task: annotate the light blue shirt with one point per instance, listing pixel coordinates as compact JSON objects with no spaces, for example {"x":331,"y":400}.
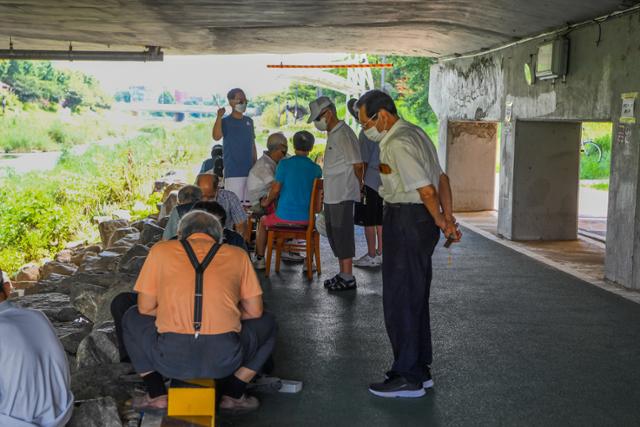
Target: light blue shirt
{"x":34,"y":372}
{"x":296,"y":175}
{"x":370,"y":152}
{"x":238,"y":140}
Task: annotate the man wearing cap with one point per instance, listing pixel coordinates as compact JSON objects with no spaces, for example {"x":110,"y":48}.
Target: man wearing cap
{"x":343,"y":173}
{"x":238,"y":143}
{"x":418,"y":204}
{"x":292,"y":187}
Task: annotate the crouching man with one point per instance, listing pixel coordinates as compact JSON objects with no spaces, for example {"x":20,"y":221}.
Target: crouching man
{"x":34,"y":374}
{"x":199,"y":315}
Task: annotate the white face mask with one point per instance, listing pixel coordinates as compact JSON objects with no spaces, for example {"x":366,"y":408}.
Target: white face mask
{"x":240,"y":108}
{"x":321,"y":124}
{"x":374,"y":134}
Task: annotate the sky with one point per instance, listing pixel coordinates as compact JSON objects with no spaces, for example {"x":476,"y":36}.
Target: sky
{"x":201,"y":75}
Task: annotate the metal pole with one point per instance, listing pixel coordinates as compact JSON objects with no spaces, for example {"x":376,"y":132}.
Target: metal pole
{"x":382,"y":73}
{"x":150,"y":55}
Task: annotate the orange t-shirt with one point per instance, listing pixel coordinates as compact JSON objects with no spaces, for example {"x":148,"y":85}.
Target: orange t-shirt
{"x":168,"y":275}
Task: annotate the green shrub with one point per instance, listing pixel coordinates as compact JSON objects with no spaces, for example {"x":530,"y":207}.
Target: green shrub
{"x":41,"y":211}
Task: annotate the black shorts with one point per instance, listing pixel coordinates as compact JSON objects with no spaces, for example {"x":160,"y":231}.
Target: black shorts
{"x":369,"y":214}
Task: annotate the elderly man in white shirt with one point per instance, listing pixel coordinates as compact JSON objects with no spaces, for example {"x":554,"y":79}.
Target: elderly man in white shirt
{"x":343,"y":179}
{"x":263,"y":172}
{"x":34,"y":372}
{"x":418,"y":205}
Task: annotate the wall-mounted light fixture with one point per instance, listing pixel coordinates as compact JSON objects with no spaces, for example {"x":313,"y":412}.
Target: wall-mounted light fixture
{"x":151,"y":54}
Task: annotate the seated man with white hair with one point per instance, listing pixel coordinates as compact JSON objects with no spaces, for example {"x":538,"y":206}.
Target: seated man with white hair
{"x":263,"y":171}
{"x":34,"y":372}
{"x":199,"y":315}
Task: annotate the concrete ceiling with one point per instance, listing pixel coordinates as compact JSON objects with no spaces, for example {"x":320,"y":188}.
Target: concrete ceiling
{"x":428,"y":27}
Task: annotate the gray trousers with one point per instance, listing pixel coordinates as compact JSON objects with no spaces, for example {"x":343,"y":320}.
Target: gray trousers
{"x":182,"y":356}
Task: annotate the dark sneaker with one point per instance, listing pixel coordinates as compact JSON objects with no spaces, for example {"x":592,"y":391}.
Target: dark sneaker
{"x":332,"y":281}
{"x":343,"y":285}
{"x":427,"y":382}
{"x":397,"y":387}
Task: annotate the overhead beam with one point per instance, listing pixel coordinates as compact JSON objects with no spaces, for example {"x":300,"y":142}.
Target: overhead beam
{"x":152,"y":54}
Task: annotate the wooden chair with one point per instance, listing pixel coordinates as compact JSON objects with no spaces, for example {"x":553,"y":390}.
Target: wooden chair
{"x":280,"y":234}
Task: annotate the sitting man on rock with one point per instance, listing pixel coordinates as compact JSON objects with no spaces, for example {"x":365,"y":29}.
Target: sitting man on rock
{"x":199,"y":315}
{"x":124,"y":301}
{"x":34,"y":372}
{"x":236,"y":216}
{"x":187,"y":197}
{"x":292,"y":188}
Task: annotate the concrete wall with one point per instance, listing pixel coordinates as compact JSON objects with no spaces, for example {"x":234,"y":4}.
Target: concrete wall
{"x":470,"y":161}
{"x":604,"y":62}
{"x":543,"y":201}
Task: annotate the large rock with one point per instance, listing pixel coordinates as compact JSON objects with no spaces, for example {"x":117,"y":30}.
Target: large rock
{"x":123,"y":283}
{"x":56,"y":267}
{"x":168,"y":205}
{"x":171,"y":188}
{"x":71,"y":341}
{"x":28,"y":287}
{"x":28,"y":273}
{"x":98,"y":348}
{"x":108,"y":227}
{"x":64,"y":256}
{"x":151,"y":233}
{"x":56,"y":306}
{"x":124,"y":232}
{"x":136,"y":251}
{"x":102,"y":412}
{"x":113,"y":380}
{"x":105,"y":261}
{"x":86,"y":299}
{"x":121,"y":214}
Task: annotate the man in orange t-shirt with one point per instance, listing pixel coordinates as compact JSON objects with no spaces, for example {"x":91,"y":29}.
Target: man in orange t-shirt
{"x":231,"y":339}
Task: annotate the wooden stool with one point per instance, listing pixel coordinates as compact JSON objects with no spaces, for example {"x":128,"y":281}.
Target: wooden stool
{"x":193,"y":401}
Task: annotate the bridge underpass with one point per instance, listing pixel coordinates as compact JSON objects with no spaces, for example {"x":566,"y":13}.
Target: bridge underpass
{"x":516,"y":342}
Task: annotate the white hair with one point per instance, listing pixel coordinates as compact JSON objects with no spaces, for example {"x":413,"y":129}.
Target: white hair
{"x":200,"y":222}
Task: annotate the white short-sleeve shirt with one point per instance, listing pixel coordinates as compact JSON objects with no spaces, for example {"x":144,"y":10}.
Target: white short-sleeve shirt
{"x":260,"y":178}
{"x":413,"y":161}
{"x":341,"y":153}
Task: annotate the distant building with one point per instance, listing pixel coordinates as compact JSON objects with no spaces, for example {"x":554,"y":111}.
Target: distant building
{"x":139,"y":94}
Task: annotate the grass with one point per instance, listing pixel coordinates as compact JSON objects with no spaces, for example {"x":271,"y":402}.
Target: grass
{"x":603,"y":186}
{"x":40,"y":212}
{"x":590,"y":168}
{"x":27,"y":131}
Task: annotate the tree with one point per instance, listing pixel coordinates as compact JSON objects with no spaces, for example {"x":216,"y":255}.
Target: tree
{"x":122,"y":96}
{"x":166,"y":98}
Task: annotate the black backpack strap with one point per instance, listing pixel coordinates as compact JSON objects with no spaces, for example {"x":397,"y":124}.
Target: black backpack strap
{"x":199,"y":269}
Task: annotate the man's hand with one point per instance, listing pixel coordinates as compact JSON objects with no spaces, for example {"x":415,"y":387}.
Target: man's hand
{"x":221,"y":111}
{"x":452,"y":231}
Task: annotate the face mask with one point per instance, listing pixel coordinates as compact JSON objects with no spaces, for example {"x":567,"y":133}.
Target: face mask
{"x":374,"y":134}
{"x":240,"y":108}
{"x":321,"y":124}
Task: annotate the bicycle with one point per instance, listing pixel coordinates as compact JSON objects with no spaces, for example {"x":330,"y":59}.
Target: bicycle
{"x":591,"y":149}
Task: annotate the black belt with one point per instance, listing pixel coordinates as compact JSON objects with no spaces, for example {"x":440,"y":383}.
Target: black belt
{"x":403,"y":205}
{"x":199,"y":268}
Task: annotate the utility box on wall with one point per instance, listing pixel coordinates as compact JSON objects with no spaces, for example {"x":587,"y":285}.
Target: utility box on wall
{"x":553,"y":59}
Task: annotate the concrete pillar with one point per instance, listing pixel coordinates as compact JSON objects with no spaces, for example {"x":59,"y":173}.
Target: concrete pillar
{"x":622,"y":262}
{"x":539,"y":178}
{"x":468,"y":154}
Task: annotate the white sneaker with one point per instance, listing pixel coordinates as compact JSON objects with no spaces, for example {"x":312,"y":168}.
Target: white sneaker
{"x":367,"y":261}
{"x":292,"y":256}
{"x":260,"y":264}
{"x":379,"y":259}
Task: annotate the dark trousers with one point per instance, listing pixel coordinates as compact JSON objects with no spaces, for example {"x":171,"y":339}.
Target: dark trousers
{"x":409,"y":237}
{"x":183,"y":356}
{"x":119,"y":306}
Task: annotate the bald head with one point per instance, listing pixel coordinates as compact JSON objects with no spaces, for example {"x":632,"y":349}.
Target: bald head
{"x":208,"y":183}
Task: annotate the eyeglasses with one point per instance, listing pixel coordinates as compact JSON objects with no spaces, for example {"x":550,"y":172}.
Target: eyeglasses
{"x":364,"y":125}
